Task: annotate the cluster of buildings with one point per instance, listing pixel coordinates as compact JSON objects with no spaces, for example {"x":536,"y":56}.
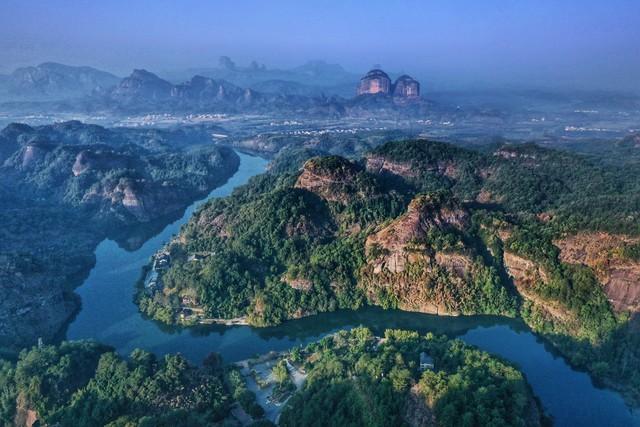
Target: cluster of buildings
{"x":377,"y":81}
{"x":153,"y":282}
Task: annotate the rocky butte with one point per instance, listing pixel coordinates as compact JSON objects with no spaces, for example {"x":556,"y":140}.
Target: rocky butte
{"x":377,"y":81}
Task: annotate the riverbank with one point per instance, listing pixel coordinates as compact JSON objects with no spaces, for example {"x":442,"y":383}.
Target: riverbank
{"x":49,"y":242}
{"x":109,"y":315}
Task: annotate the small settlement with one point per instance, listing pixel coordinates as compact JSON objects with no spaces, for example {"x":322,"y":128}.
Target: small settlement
{"x":153,"y":281}
{"x":190,"y":310}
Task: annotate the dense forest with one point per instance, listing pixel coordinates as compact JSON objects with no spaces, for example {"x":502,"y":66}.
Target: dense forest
{"x":67,"y":186}
{"x":87,"y":384}
{"x":424,"y":226}
{"x":356,"y":379}
{"x":352,"y":378}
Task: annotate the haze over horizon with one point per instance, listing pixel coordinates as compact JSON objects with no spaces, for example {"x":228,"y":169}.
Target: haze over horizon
{"x":570,"y":45}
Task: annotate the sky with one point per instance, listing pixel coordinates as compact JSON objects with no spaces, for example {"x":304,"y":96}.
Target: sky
{"x":562,"y":43}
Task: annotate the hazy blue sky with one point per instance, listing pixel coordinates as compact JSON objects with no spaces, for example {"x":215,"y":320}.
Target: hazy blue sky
{"x":580,"y":43}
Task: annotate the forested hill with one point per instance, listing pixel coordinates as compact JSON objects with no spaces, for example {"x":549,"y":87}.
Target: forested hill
{"x":349,"y":378}
{"x":65,"y":187}
{"x":423,"y":226}
{"x":355,"y":378}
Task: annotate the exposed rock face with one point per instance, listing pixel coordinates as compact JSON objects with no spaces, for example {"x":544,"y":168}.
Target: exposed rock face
{"x":298,"y":283}
{"x":34,"y":153}
{"x":406,"y":87}
{"x":602,"y":252}
{"x":401,"y":240}
{"x":409,"y":169}
{"x":526,"y":274}
{"x":456,"y":263}
{"x":131,"y":199}
{"x":204,"y":88}
{"x":374,"y":82}
{"x":87,"y":160}
{"x":215,"y":225}
{"x":380,"y":164}
{"x":332,"y":178}
{"x":402,"y":263}
{"x":377,"y":81}
{"x":144,"y":92}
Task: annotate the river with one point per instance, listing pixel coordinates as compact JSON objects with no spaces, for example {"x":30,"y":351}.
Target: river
{"x":109,"y":315}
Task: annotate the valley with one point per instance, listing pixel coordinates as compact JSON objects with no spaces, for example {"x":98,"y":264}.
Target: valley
{"x":319,"y":214}
{"x":121,"y":325}
{"x":179,"y":220}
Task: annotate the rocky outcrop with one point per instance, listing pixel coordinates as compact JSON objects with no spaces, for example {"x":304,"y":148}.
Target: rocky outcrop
{"x":203,"y":88}
{"x":603,"y":253}
{"x":88,"y":160}
{"x":374,"y":82}
{"x":402,"y":241}
{"x":143,"y":91}
{"x":333,"y":179}
{"x":527,"y":275}
{"x":298,"y":283}
{"x":34,"y":153}
{"x":406,"y":87}
{"x":408,"y":170}
{"x":212,"y":225}
{"x":403,"y":264}
{"x":377,"y":82}
{"x":380,"y":165}
{"x":458,"y":264}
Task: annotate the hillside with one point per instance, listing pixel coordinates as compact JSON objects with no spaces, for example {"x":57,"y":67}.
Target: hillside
{"x":66,"y":187}
{"x":52,"y":81}
{"x":421,"y":226}
{"x":354,"y":378}
{"x":349,"y":378}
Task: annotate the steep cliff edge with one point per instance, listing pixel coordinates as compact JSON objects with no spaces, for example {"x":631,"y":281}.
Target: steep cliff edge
{"x":418,"y":225}
{"x":333,"y":179}
{"x":404,"y":263}
{"x":528,"y":278}
{"x":604,"y":253}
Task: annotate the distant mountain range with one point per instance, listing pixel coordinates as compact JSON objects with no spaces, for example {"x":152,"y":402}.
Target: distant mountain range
{"x":145,"y":91}
{"x":55,"y":82}
{"x":311,"y":79}
{"x":52,"y":81}
{"x":61,"y":88}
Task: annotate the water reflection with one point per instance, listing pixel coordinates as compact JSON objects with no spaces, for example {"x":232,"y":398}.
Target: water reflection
{"x":109,"y":315}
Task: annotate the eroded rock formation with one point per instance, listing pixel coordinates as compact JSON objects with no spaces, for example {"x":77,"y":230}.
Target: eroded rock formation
{"x":377,"y":81}
{"x":603,"y":252}
{"x":333,"y":179}
{"x":403,"y":263}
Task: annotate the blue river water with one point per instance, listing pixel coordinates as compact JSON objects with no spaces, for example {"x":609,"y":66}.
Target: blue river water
{"x":109,"y":315}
